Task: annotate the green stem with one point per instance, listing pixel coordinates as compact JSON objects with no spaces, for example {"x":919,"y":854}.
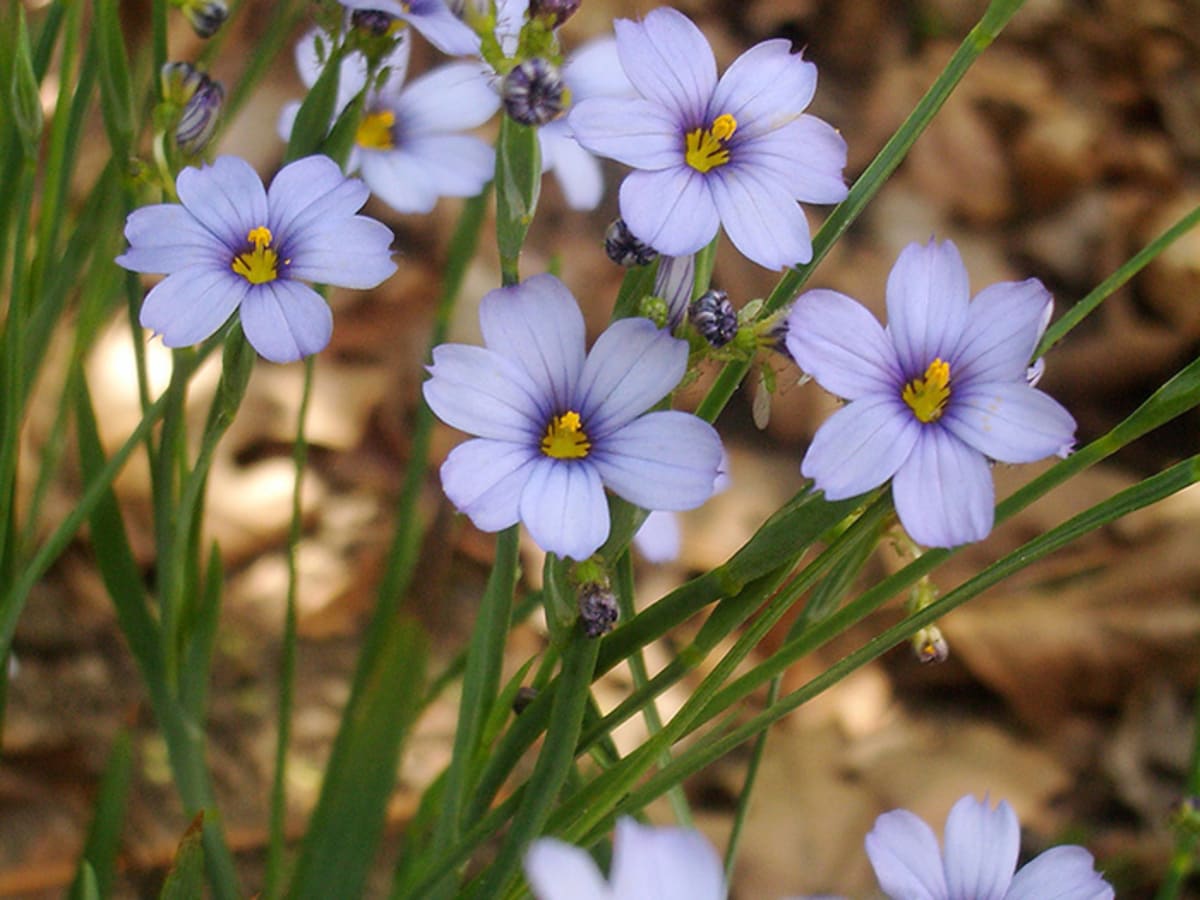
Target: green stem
{"x":287,"y":664}
{"x":637,"y":670}
{"x":1183,"y":858}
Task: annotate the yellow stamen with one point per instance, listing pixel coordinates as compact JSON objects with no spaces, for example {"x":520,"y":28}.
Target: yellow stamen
{"x":375,"y":130}
{"x":927,"y":396}
{"x":706,"y":147}
{"x":258,"y":266}
{"x":565,"y":437}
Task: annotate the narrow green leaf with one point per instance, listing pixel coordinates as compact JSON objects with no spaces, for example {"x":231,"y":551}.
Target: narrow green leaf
{"x":185,"y":881}
{"x":26,"y":106}
{"x":339,"y":845}
{"x":112,"y":553}
{"x":97,"y":865}
{"x":317,"y":111}
{"x":116,"y":86}
{"x":480,"y":682}
{"x":553,"y":764}
{"x":518,"y":184}
{"x":340,"y":142}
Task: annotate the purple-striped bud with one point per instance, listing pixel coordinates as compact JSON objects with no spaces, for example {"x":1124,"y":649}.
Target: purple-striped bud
{"x":205,"y":16}
{"x":199,"y":119}
{"x":714,"y":317}
{"x":534,"y":92}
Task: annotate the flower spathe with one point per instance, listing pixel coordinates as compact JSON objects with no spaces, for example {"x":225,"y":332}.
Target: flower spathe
{"x":933,"y":397}
{"x":231,"y":245}
{"x":979,"y":859}
{"x":555,"y":425}
{"x":648,"y":864}
{"x":738,"y":152}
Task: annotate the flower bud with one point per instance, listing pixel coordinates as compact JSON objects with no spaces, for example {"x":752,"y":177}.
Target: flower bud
{"x":205,"y":16}
{"x":180,"y":81}
{"x":524,"y":696}
{"x":553,"y":12}
{"x":674,"y":282}
{"x":534,"y":93}
{"x":597,"y":609}
{"x":624,"y":249}
{"x":714,"y":317}
{"x":375,"y":22}
{"x":199,"y":118}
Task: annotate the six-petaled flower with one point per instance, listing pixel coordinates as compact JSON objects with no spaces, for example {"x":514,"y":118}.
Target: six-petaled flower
{"x":556,"y":425}
{"x":934,"y":397}
{"x":738,"y":152}
{"x":229,"y":244}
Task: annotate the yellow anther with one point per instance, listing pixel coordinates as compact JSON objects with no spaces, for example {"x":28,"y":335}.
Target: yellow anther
{"x":706,"y":147}
{"x":565,"y":437}
{"x":927,"y":396}
{"x":258,"y":266}
{"x":375,"y":130}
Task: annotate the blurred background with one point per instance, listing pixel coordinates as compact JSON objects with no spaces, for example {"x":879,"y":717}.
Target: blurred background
{"x":1069,"y":690}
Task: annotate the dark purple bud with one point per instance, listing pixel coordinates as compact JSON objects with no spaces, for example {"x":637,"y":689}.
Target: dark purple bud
{"x":714,"y":317}
{"x":597,"y":609}
{"x":553,"y":12}
{"x":624,"y":249}
{"x":534,"y":93}
{"x":373,"y":21}
{"x":524,"y":696}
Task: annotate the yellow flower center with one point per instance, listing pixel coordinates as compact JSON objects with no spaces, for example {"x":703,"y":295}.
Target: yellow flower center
{"x":927,"y":396}
{"x":375,"y":130}
{"x":258,"y":266}
{"x":565,"y":437}
{"x":706,"y":147}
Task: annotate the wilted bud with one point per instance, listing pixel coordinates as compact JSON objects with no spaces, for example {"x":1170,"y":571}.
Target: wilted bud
{"x":375,"y":22}
{"x":199,"y":119}
{"x":624,"y":249}
{"x":553,"y":12}
{"x":205,"y":16}
{"x":597,"y":609}
{"x":524,"y":696}
{"x":929,"y":646}
{"x":714,"y":317}
{"x":534,"y":93}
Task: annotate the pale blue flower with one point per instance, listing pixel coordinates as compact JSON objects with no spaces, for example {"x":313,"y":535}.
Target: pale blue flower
{"x":933,"y":397}
{"x":436,"y":22}
{"x":737,"y":153}
{"x":978,"y":861}
{"x":229,"y":244}
{"x":648,"y":864}
{"x":410,"y":147}
{"x":555,"y":425}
